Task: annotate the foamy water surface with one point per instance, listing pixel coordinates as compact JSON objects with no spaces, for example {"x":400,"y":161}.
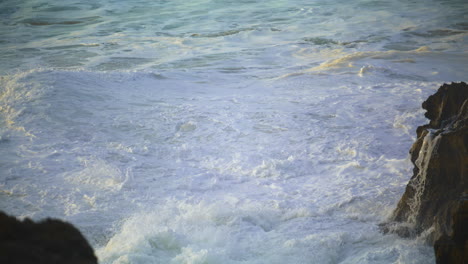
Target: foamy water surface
{"x":222,"y":131}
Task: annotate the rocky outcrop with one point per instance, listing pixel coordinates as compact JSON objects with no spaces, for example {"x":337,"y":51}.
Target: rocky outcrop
{"x":435,"y":200}
{"x":50,"y":241}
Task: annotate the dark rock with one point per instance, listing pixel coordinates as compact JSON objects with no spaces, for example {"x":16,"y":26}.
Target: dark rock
{"x":50,"y":241}
{"x":435,"y":201}
{"x":453,"y":248}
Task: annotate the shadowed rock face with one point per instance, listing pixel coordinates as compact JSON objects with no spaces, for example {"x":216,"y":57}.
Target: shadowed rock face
{"x":50,"y":241}
{"x":436,"y":197}
{"x":454,"y":248}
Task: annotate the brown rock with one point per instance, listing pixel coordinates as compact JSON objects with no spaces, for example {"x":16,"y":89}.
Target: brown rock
{"x":435,"y":198}
{"x":453,"y":248}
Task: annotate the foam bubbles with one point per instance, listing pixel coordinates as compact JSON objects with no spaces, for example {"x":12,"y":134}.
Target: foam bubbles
{"x":245,"y":232}
{"x":220,"y":131}
{"x":98,"y":174}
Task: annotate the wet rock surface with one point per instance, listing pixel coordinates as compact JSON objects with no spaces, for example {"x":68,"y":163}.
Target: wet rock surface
{"x":435,"y":202}
{"x":50,"y":241}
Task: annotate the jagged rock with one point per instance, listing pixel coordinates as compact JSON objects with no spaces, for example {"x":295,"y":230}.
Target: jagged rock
{"x":50,"y":241}
{"x":434,"y":201}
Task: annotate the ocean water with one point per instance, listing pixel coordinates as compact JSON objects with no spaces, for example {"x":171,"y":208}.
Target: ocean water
{"x":218,"y":131}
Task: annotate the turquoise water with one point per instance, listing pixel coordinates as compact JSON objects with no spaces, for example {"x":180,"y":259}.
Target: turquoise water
{"x":226,"y":36}
{"x":222,"y":131}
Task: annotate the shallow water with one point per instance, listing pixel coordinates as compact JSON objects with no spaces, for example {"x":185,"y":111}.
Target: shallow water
{"x":221,"y":131}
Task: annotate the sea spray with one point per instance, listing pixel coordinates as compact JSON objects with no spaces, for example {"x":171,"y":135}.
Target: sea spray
{"x":407,"y":224}
{"x":430,"y":143}
{"x":147,"y":112}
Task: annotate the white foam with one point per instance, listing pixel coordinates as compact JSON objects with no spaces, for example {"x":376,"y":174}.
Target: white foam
{"x":220,"y":132}
{"x":97,"y":173}
{"x":212,"y":175}
{"x":246,"y":232}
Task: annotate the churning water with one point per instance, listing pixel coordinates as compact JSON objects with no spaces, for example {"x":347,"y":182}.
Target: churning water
{"x":218,"y":131}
